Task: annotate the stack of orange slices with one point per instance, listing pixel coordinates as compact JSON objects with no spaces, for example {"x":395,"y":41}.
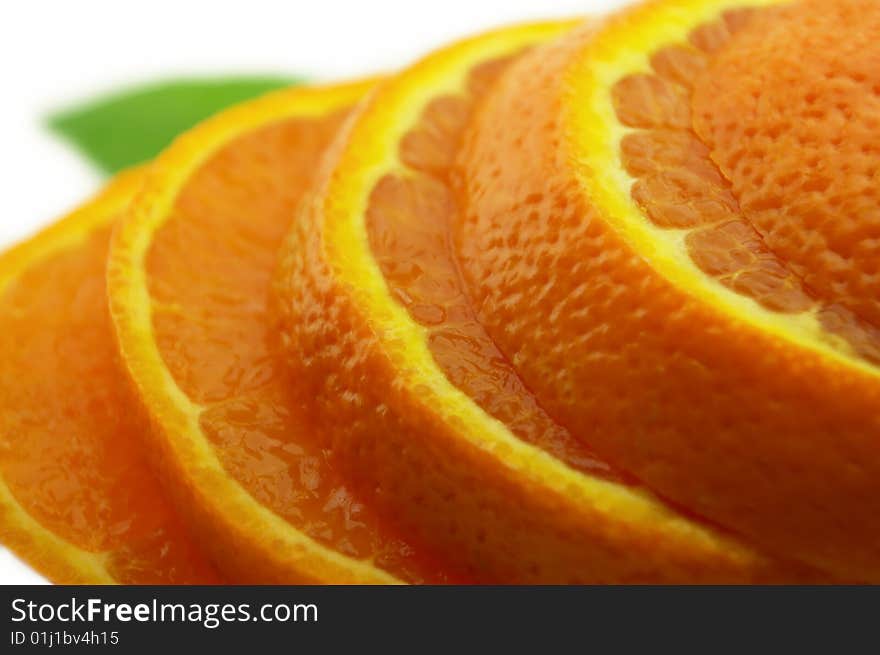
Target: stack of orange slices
{"x":568,"y":302}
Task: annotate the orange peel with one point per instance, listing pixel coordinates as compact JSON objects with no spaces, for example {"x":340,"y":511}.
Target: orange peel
{"x":703,"y":263}
{"x":416,"y":401}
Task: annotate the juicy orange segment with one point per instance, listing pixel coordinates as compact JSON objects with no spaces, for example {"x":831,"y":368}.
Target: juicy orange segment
{"x":689,"y":197}
{"x":414,"y":395}
{"x":189,"y":282}
{"x":77,"y":500}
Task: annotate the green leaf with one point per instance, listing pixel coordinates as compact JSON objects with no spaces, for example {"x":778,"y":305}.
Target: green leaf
{"x":133,"y":126}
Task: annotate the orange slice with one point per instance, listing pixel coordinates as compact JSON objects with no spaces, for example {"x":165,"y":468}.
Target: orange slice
{"x":77,"y":500}
{"x":189,"y":279}
{"x":672,"y":233}
{"x":416,"y":399}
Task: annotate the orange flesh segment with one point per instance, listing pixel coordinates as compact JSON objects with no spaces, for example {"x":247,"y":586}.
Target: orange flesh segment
{"x":408,"y":223}
{"x":780,"y":208}
{"x":70,"y":449}
{"x":209,"y":271}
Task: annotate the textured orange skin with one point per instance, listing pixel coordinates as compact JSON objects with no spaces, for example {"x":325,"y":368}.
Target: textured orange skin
{"x":407,"y":221}
{"x":778,"y":444}
{"x":678,"y":185}
{"x":70,"y":440}
{"x":444,"y":489}
{"x":801,"y":150}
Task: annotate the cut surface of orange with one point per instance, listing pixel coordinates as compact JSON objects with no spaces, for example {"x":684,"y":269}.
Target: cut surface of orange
{"x":689,"y":199}
{"x":77,"y":499}
{"x":189,"y":280}
{"x":414,"y":396}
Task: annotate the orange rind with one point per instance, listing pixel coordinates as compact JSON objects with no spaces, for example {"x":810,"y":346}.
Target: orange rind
{"x":416,"y":400}
{"x":688,"y":194}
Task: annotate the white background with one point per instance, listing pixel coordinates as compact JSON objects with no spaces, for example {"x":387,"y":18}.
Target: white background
{"x":53,"y":53}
